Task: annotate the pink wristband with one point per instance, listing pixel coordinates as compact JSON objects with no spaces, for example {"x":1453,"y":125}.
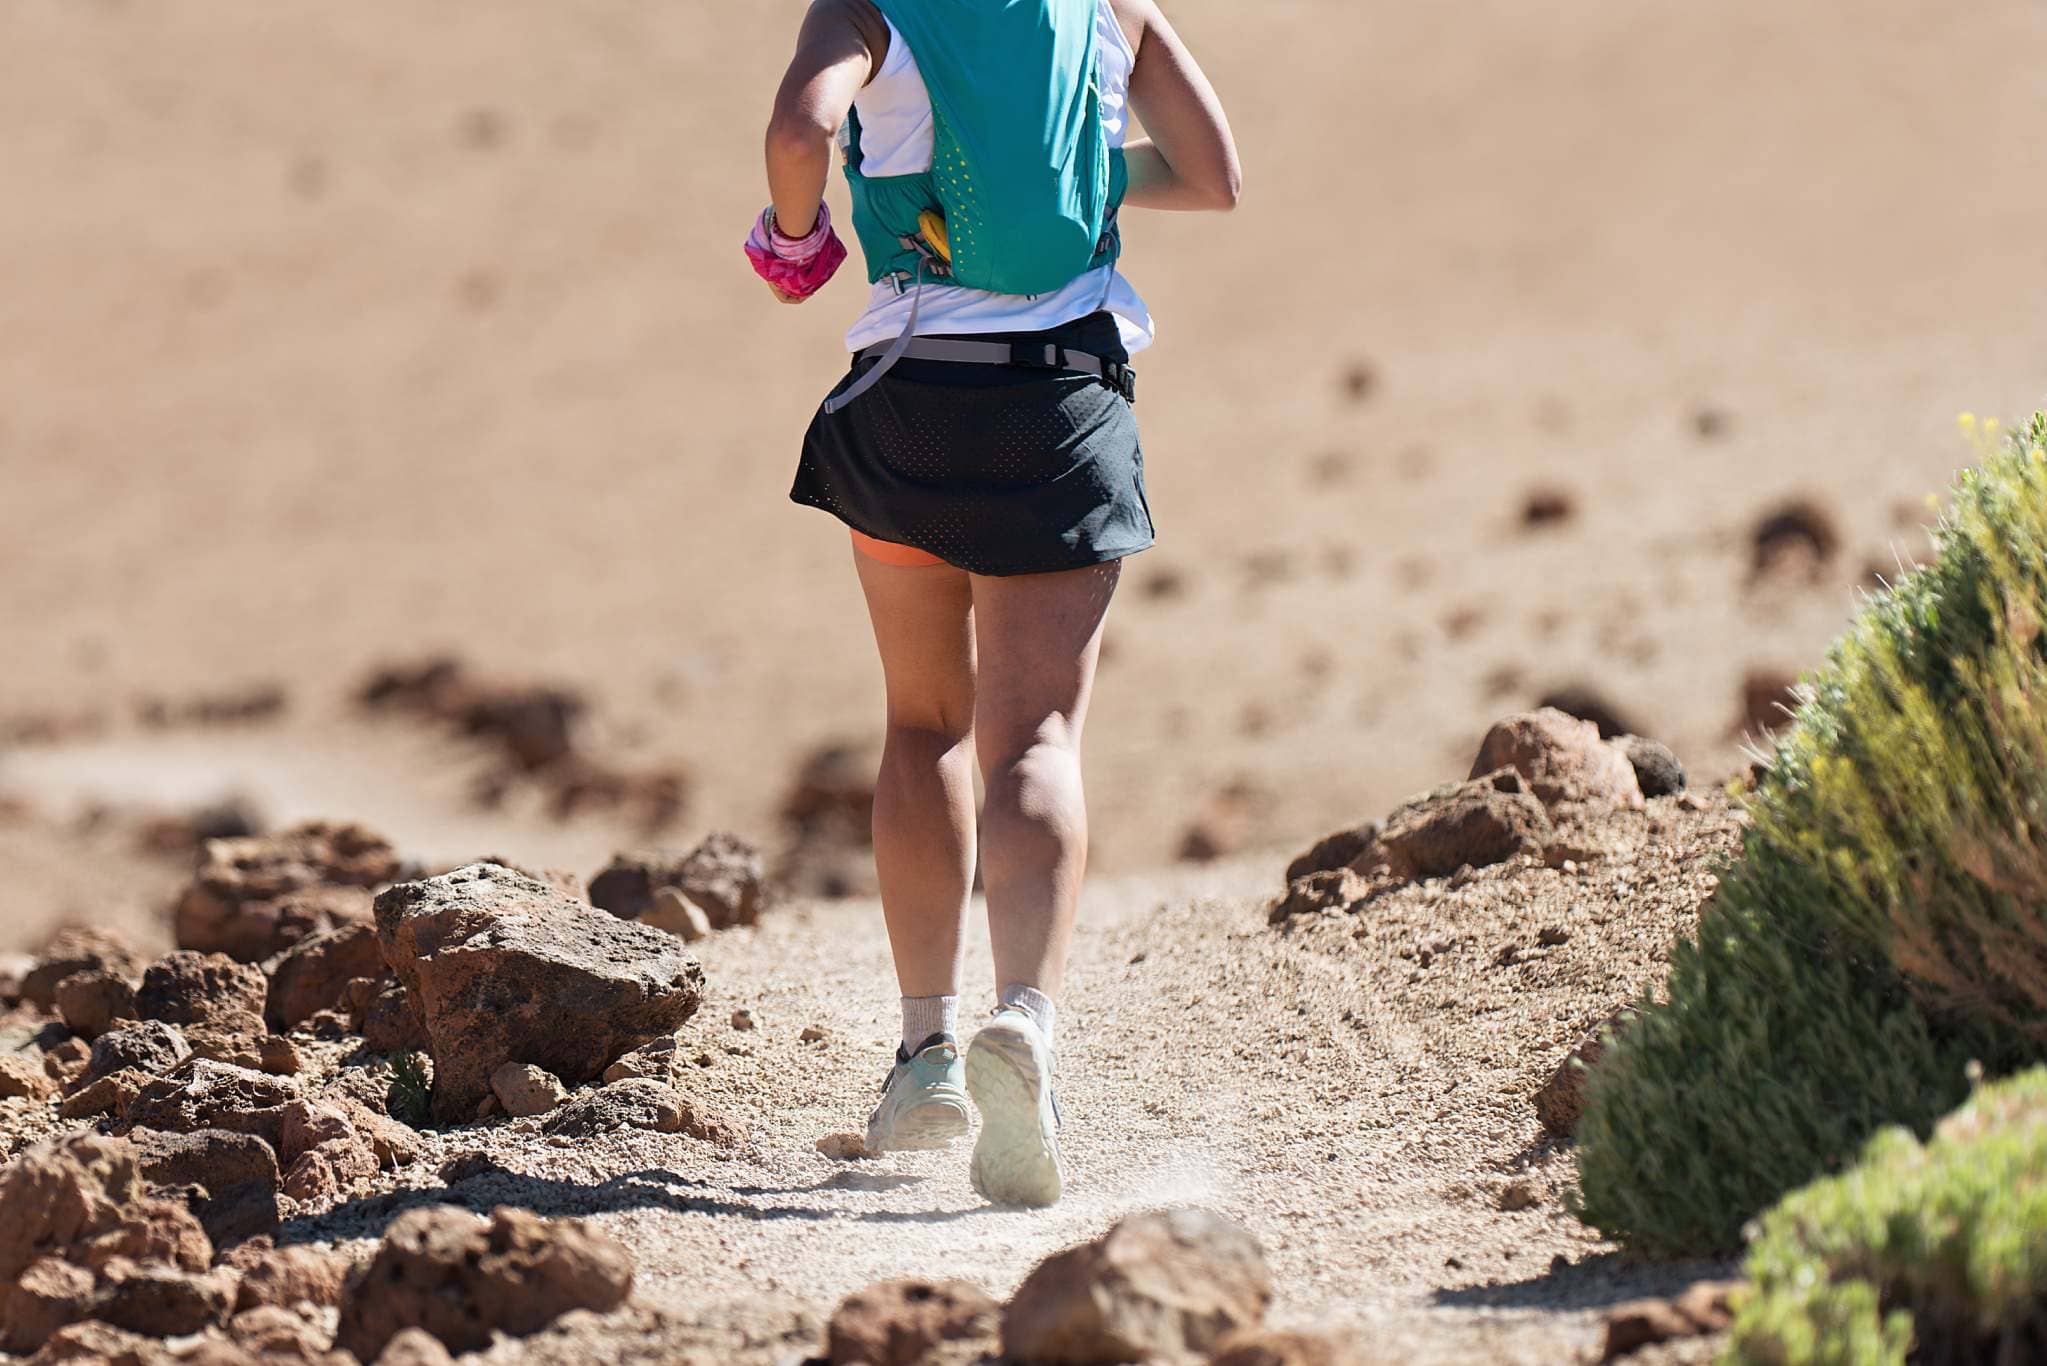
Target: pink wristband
{"x":797,"y":266}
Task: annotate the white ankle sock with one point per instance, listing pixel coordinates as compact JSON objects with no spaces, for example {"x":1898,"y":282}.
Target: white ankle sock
{"x":924,"y":1016}
{"x":1033,"y":1003}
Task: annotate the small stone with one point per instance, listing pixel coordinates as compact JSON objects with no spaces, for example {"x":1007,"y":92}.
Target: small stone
{"x":1314,"y":893}
{"x":899,"y":1323}
{"x":1563,"y":759}
{"x":525,"y":1090}
{"x":91,"y":1001}
{"x":1560,"y":1103}
{"x":845,"y":1147}
{"x":149,"y":1046}
{"x":1519,"y":1194}
{"x":24,"y":1080}
{"x":189,"y":988}
{"x":110,"y":1095}
{"x":812,"y":1034}
{"x":1642,"y":1323}
{"x":742,"y":1020}
{"x":74,"y":950}
{"x":671,"y":910}
{"x":1657,"y":770}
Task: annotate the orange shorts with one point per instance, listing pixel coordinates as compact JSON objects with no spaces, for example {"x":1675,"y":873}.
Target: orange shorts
{"x":888,"y":552}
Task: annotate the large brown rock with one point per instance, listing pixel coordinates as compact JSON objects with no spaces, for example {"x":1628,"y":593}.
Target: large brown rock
{"x":897,"y":1323}
{"x":83,"y":1201}
{"x":461,"y":1279}
{"x":203,"y":1094}
{"x":312,"y":974}
{"x":252,"y":898}
{"x":90,"y":1002}
{"x":148,"y":1046}
{"x":188,"y":988}
{"x":231,"y":1178}
{"x":504,"y":968}
{"x":1472,"y":824}
{"x":1563,"y":758}
{"x":1560,"y":1103}
{"x":161,"y":1301}
{"x":78,"y":949}
{"x":724,"y":876}
{"x":1164,"y":1284}
{"x":287,"y":1276}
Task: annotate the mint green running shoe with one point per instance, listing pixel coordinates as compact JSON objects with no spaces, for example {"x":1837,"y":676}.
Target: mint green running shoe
{"x":924,"y":1102}
{"x":1009,"y":1075}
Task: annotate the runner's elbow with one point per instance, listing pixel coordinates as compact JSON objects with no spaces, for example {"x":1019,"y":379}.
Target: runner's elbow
{"x":1221,"y":195}
{"x":797,"y":133}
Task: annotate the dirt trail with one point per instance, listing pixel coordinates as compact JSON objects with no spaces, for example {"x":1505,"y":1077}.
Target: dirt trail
{"x":1358,"y":1113}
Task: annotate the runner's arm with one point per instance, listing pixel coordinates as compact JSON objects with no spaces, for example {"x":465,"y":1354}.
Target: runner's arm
{"x":1189,"y":161}
{"x":835,"y":57}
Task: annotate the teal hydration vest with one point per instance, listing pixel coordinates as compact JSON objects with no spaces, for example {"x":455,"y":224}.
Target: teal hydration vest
{"x":1022,"y":175}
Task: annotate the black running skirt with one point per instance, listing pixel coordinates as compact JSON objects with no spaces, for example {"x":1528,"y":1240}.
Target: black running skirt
{"x":997,"y":469}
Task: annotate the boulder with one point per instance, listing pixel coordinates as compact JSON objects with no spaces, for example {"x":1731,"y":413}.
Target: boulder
{"x":724,"y":876}
{"x":252,"y":898}
{"x":1560,"y":1103}
{"x":525,"y":1090}
{"x":202,"y":1094}
{"x":1332,"y":852}
{"x":1163,"y":1284}
{"x":1472,"y":824}
{"x":23,"y":1079}
{"x":234,"y":1178}
{"x":504,"y":968}
{"x":312,"y":974}
{"x":897,"y":1323}
{"x":1563,"y":759}
{"x":90,"y":1002}
{"x":188,"y":988}
{"x":150,"y":1046}
{"x":1657,"y":770}
{"x":638,"y":1103}
{"x":78,"y":949}
{"x":160,"y":1301}
{"x":82,"y":1200}
{"x":462,"y":1279}
{"x":286,"y":1276}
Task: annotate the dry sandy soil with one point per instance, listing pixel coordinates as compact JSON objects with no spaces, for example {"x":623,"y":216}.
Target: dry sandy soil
{"x":335,"y":334}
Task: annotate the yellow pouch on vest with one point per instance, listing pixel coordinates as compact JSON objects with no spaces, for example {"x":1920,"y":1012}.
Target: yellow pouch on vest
{"x":931,"y":223}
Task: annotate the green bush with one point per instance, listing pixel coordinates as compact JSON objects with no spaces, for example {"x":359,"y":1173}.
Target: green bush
{"x":1934,"y":1253}
{"x":1887,"y":920}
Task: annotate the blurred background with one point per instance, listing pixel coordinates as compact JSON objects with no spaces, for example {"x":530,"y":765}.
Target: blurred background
{"x":339,"y":338}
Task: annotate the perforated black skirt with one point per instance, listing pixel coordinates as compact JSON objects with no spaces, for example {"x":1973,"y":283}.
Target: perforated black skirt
{"x":996,"y":469}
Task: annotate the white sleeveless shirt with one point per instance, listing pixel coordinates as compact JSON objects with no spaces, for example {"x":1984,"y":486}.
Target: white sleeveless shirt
{"x":896,"y":139}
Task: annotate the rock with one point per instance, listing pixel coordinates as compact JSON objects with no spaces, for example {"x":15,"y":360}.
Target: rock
{"x":65,"y":1062}
{"x":272,"y":1335}
{"x":310,"y":976}
{"x":654,"y":1062}
{"x":845,"y":1147}
{"x":253,"y":898}
{"x":388,"y":1022}
{"x":162,"y":1301}
{"x":110,"y":1095}
{"x":151,"y":1046}
{"x":1560,"y":1104}
{"x":1519,"y":1194}
{"x":91,"y":1001}
{"x":202,"y":1094}
{"x":1711,"y":1304}
{"x":897,"y":1322}
{"x":634,"y":1103}
{"x":235,"y":1175}
{"x":1547,"y":507}
{"x":81,"y":1200}
{"x":287,"y":1276}
{"x":1657,"y":771}
{"x":322,"y":1176}
{"x":460,"y":1279}
{"x":48,"y":1297}
{"x":1317,"y":892}
{"x":1563,"y":759}
{"x":92,"y":1343}
{"x":188,"y":988}
{"x":525,"y":1090}
{"x":1160,"y":1284}
{"x":415,"y":1347}
{"x":1636,"y":1324}
{"x":1795,"y":541}
{"x":742,"y":1020}
{"x":829,"y":813}
{"x":504,"y":968}
{"x":1223,"y":824}
{"x":73,"y":950}
{"x":1473,"y":824}
{"x":812,"y":1034}
{"x":723,"y":876}
{"x":1768,"y":701}
{"x":1264,"y":1347}
{"x":1588,"y":704}
{"x":25,"y":1080}
{"x":674,"y":912}
{"x":280,"y":1057}
{"x":1332,"y":852}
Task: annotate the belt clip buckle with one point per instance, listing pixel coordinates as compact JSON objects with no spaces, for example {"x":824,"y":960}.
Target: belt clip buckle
{"x":1125,"y":383}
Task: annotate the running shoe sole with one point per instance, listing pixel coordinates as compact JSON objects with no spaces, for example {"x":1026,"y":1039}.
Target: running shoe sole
{"x":929,"y":1124}
{"x":1016,"y":1158}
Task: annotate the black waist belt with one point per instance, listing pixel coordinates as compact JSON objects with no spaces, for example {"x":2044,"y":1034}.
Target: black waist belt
{"x":1029,"y":355}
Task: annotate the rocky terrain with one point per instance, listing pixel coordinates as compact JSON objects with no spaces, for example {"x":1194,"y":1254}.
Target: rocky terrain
{"x":374,"y":1109}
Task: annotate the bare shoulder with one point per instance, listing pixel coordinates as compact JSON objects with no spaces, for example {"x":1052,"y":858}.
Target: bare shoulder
{"x":862,"y":18}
